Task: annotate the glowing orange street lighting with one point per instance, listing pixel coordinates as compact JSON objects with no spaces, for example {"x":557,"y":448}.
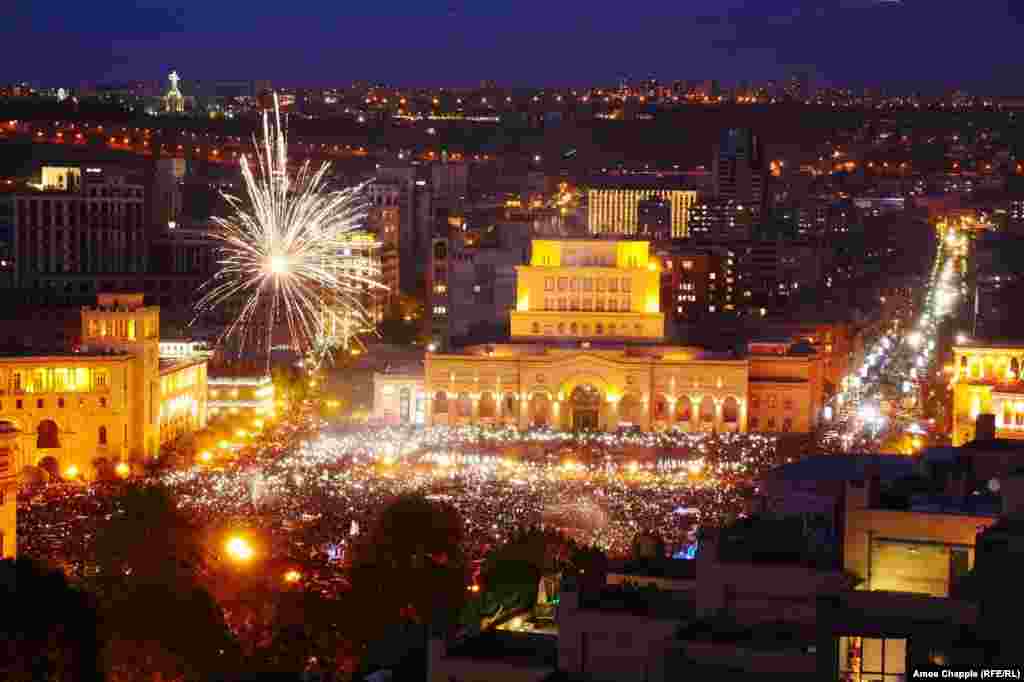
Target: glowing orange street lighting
{"x":205,"y":457}
{"x":71,"y":472}
{"x":239,"y":549}
{"x":292,"y":577}
{"x":122,"y":470}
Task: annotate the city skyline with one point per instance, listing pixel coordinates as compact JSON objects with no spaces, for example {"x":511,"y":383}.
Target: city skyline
{"x":568,"y":45}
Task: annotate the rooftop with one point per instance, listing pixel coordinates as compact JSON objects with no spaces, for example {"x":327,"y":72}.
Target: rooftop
{"x":845,"y":468}
{"x":515,"y":648}
{"x":168,"y":365}
{"x":675,"y":569}
{"x":85,"y":355}
{"x":649,"y":602}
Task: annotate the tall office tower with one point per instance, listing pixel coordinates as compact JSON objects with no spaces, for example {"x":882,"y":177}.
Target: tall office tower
{"x":76,"y":220}
{"x":400,"y":186}
{"x":738,"y":168}
{"x":614,"y":204}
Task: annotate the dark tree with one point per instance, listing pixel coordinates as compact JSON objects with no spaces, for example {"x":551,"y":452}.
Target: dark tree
{"x":156,"y":616}
{"x":409,"y":567}
{"x":50,"y":629}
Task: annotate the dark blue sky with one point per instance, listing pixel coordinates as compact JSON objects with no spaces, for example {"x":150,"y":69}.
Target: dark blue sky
{"x":924,"y":43}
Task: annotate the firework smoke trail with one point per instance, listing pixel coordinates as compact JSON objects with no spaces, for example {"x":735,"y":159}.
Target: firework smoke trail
{"x":287,"y":253}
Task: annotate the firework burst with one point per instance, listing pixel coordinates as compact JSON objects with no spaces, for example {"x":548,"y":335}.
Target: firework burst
{"x":293,"y":253}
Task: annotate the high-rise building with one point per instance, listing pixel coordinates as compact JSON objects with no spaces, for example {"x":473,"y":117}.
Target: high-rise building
{"x":613,"y":204}
{"x":739,"y":168}
{"x":654,"y":219}
{"x":384,"y":221}
{"x":79,"y":220}
{"x":472,"y":287}
{"x":722,"y":220}
{"x":695,"y":282}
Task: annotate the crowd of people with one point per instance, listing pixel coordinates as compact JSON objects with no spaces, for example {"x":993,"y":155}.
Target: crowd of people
{"x":309,"y":491}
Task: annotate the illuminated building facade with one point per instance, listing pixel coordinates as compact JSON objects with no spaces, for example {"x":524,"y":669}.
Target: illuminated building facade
{"x":613,"y":208}
{"x":113,"y":399}
{"x":987,"y":380}
{"x":8,"y":495}
{"x":582,"y":289}
{"x":399,"y":397}
{"x":575,"y":363}
{"x":238,"y":394}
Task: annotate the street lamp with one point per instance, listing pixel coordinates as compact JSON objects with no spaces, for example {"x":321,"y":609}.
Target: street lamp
{"x":239,"y":549}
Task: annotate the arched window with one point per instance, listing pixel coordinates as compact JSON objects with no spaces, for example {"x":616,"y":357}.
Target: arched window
{"x":574,"y":329}
{"x":511,"y":405}
{"x":47,"y":435}
{"x":707,"y":409}
{"x":487,"y":406}
{"x":684,"y":409}
{"x":440,"y":251}
{"x":787,"y":425}
{"x":1015,"y":367}
{"x":536,"y":327}
{"x":599,"y":329}
{"x":611,"y":329}
{"x":103,"y":435}
{"x":440,"y":403}
{"x":561,"y":328}
{"x":660,"y":408}
{"x":465,"y":406}
{"x":730,"y":411}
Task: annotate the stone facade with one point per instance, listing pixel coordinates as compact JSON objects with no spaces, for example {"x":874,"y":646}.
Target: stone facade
{"x":987,"y":380}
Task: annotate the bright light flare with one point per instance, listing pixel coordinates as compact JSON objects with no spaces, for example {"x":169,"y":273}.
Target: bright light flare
{"x":239,"y":549}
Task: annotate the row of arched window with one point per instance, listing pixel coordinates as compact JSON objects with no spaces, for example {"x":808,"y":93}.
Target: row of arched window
{"x":990,"y":368}
{"x":630,"y":407}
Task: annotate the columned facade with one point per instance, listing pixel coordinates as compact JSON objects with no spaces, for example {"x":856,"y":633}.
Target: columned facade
{"x":570,"y":389}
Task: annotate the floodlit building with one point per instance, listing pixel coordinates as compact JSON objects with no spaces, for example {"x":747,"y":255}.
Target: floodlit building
{"x":614,"y":204}
{"x":112,"y":399}
{"x":247,"y":394}
{"x":587,"y":352}
{"x":987,"y":380}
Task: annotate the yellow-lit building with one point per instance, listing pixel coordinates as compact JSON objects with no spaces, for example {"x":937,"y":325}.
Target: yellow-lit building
{"x":239,"y":394}
{"x":111,"y":399}
{"x":588,"y":288}
{"x":987,"y":380}
{"x":614,"y":210}
{"x":576,"y":362}
{"x":8,"y":499}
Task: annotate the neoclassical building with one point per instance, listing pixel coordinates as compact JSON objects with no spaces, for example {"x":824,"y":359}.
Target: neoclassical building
{"x":987,"y":380}
{"x":587,"y":352}
{"x":112,"y":398}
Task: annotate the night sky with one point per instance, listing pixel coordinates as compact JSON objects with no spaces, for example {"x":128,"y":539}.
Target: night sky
{"x":922,"y":44}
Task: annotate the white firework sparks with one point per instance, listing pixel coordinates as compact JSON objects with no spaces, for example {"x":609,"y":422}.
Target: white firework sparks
{"x":294,"y":252}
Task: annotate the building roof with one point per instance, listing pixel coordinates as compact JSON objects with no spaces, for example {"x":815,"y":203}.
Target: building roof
{"x":64,"y":355}
{"x":647,"y":602}
{"x":169,"y":365}
{"x":675,"y":569}
{"x":515,"y":648}
{"x":849,"y":467}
